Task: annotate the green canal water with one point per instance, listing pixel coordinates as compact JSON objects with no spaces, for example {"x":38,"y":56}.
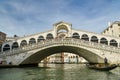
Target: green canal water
{"x":58,"y":72}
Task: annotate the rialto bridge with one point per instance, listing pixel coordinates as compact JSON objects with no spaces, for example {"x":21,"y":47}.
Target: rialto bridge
{"x":32,"y":49}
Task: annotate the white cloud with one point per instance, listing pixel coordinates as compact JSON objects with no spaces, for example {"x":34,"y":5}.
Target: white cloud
{"x":40,"y":15}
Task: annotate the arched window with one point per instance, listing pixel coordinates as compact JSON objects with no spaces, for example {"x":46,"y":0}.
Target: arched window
{"x":15,"y":45}
{"x":49,"y":36}
{"x":104,"y":41}
{"x":6,"y":47}
{"x":23,"y":43}
{"x":40,"y":38}
{"x":113,"y":42}
{"x":76,"y":35}
{"x":94,"y":39}
{"x":32,"y":41}
{"x":85,"y":37}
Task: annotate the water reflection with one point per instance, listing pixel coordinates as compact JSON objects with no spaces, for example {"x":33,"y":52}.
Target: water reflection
{"x":58,"y":72}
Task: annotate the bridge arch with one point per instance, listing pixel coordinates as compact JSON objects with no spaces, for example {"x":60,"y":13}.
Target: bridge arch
{"x":104,"y":41}
{"x":113,"y":42}
{"x":76,"y":35}
{"x":39,"y":55}
{"x":23,"y":43}
{"x":6,"y":47}
{"x":40,"y":38}
{"x":49,"y":36}
{"x":32,"y":41}
{"x":15,"y":45}
{"x":94,"y":39}
{"x":62,"y":28}
{"x":85,"y":37}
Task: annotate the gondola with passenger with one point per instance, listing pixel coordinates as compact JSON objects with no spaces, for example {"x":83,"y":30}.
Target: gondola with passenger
{"x":102,"y":67}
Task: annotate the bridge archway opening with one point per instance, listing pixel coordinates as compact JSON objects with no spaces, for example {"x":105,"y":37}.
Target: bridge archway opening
{"x":15,"y":45}
{"x":113,"y":43}
{"x":76,"y":35}
{"x":40,"y":38}
{"x":85,"y":37}
{"x":49,"y":36}
{"x":62,"y":31}
{"x":62,"y":28}
{"x":94,"y":39}
{"x":104,"y":41}
{"x":32,"y":41}
{"x":23,"y":43}
{"x":6,"y":47}
{"x":42,"y":54}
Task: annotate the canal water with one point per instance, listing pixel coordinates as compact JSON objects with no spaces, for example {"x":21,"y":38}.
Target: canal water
{"x":58,"y":72}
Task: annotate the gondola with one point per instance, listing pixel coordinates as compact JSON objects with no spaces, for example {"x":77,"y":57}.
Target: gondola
{"x":102,"y":67}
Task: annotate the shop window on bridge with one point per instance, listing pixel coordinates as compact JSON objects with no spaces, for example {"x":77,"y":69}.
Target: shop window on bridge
{"x":85,"y":37}
{"x":94,"y":39}
{"x":23,"y":43}
{"x":49,"y":36}
{"x":76,"y":35}
{"x":104,"y":41}
{"x":15,"y":45}
{"x":32,"y":41}
{"x":6,"y":47}
{"x":40,"y":38}
{"x":113,"y":43}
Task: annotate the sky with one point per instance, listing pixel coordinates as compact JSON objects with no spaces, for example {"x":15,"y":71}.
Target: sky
{"x":26,"y":17}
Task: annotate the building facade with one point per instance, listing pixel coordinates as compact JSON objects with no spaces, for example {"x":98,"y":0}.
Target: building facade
{"x":2,"y":39}
{"x":64,"y":58}
{"x":113,"y":29}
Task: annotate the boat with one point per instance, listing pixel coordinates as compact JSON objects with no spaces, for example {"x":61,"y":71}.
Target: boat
{"x":102,"y":67}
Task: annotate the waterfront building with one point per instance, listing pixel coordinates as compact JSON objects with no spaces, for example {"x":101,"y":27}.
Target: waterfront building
{"x":64,"y":58}
{"x":2,"y":39}
{"x":113,"y":29}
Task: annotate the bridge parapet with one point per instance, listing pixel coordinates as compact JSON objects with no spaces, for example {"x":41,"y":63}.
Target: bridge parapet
{"x":60,"y":42}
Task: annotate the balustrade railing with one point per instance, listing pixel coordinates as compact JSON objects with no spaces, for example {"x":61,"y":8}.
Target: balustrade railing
{"x":54,"y":42}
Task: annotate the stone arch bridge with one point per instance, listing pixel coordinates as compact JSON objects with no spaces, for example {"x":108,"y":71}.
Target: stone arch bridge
{"x":63,"y":38}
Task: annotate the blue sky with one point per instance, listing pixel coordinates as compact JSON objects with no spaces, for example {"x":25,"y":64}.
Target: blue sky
{"x":24,"y":17}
